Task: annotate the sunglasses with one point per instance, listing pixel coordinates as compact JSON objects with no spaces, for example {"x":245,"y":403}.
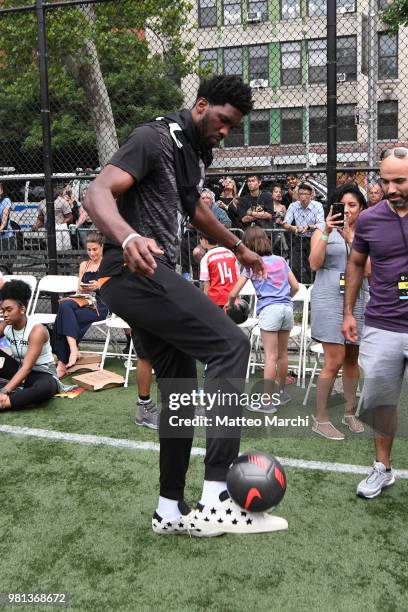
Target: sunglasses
{"x":399,"y":152}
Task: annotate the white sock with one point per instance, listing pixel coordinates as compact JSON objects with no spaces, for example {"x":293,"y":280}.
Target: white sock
{"x":168,"y":508}
{"x":211,"y":492}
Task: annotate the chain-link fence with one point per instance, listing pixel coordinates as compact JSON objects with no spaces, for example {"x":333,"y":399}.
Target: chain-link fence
{"x":76,"y":78}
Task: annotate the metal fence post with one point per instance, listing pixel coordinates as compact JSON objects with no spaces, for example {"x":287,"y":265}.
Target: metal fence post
{"x":331,"y":96}
{"x":46,"y":131}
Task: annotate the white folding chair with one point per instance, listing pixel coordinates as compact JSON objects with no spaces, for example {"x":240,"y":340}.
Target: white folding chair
{"x":52,"y":283}
{"x":115,"y":322}
{"x":300,"y":334}
{"x":27,"y":278}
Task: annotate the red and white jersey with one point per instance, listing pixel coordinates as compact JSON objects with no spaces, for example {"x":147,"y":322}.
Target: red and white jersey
{"x":220,"y":268}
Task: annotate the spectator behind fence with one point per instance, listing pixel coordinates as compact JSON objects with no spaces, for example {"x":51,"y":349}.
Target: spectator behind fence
{"x":279,"y":242}
{"x":275,"y":310}
{"x":302,"y":218}
{"x":5,"y":231}
{"x":29,"y":373}
{"x":63,"y":218}
{"x":291,"y":195}
{"x":208,"y":198}
{"x":375,"y":194}
{"x":74,"y":317}
{"x":84,"y":223}
{"x":256,"y":208}
{"x":330,"y":248}
{"x":229,"y":202}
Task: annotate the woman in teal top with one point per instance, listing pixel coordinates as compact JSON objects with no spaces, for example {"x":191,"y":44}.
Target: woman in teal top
{"x":30,"y":372}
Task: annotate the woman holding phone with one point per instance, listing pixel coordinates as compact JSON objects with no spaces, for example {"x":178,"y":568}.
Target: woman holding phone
{"x":74,"y":320}
{"x":330,"y":248}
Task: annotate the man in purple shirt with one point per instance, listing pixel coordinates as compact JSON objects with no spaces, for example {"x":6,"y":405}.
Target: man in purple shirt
{"x":382,"y":234}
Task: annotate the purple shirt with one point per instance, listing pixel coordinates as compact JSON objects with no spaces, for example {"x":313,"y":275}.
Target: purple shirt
{"x":379,"y":234}
{"x":274,"y":289}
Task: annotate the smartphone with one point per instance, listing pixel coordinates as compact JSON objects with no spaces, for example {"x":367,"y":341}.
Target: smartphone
{"x":338,"y":209}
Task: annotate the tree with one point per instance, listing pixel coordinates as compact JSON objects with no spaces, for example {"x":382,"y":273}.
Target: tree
{"x":104,"y":77}
{"x":396,"y":14}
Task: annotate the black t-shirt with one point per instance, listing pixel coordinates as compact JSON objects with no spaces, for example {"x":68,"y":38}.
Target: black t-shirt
{"x":233,"y":213}
{"x":263,"y":202}
{"x":150,"y":206}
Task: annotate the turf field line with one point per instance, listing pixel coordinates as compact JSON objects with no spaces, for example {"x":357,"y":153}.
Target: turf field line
{"x":60,"y":436}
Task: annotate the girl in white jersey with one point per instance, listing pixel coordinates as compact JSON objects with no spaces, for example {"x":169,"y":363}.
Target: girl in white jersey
{"x":30,"y":371}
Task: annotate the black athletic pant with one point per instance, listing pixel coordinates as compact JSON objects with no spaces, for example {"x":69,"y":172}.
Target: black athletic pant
{"x":300,"y":259}
{"x":177,"y":325}
{"x":38,"y":387}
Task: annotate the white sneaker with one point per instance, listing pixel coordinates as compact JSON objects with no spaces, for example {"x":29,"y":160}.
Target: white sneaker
{"x":377,"y":480}
{"x":265,"y":409}
{"x":227,"y":517}
{"x":174,"y":527}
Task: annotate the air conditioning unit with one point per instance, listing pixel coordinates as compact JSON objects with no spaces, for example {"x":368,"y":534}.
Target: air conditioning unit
{"x":258,"y":83}
{"x":349,"y":8}
{"x":254,"y":17}
{"x":341,"y":77}
{"x":230,"y":18}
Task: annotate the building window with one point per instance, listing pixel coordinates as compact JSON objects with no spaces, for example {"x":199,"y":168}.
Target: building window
{"x":232,"y":12}
{"x":315,"y":8}
{"x":387,"y":55}
{"x":259,"y":128}
{"x":257,"y":10}
{"x":290,"y":64}
{"x":318,"y":124}
{"x":347,"y":57}
{"x":291,"y":126}
{"x":259,"y":64}
{"x":317,"y":53}
{"x":290,"y":9}
{"x":387,"y":121}
{"x":235,"y":137}
{"x":233,"y":61}
{"x":207,"y":13}
{"x":346,"y":123}
{"x":208,"y":60}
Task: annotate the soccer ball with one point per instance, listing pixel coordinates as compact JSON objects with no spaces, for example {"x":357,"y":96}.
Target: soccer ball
{"x":239,"y":311}
{"x":256,"y":481}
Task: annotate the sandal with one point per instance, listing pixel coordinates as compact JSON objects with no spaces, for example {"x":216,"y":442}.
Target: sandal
{"x":353,"y":423}
{"x":327,"y":430}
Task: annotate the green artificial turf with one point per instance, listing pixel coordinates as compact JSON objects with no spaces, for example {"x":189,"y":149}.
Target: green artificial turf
{"x":76,"y":519}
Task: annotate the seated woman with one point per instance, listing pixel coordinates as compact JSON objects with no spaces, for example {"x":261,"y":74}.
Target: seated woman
{"x":72,"y":320}
{"x":31,"y":365}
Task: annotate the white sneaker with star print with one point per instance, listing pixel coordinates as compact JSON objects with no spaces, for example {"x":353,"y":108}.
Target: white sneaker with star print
{"x":227,"y":517}
{"x":175,"y":527}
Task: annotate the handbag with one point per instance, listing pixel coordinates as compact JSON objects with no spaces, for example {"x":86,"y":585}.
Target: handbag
{"x":82,"y":300}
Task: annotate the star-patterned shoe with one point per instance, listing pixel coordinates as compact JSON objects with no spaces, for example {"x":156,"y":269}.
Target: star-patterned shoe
{"x":228,"y":517}
{"x":175,"y":527}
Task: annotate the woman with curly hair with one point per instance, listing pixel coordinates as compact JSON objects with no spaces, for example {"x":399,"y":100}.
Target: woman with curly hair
{"x":29,"y":373}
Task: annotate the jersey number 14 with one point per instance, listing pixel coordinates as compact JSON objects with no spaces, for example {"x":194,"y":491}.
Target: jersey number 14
{"x":225,"y":273}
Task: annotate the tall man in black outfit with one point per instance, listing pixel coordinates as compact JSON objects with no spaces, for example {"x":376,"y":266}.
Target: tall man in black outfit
{"x":154,"y":174}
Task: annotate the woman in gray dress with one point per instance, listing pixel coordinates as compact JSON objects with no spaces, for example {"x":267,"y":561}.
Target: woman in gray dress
{"x":330,"y":248}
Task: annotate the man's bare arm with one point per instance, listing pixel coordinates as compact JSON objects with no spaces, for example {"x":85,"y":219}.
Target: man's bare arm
{"x":354,"y":279}
{"x":101,"y":206}
{"x":205,"y":221}
{"x":100,"y":202}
